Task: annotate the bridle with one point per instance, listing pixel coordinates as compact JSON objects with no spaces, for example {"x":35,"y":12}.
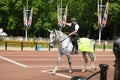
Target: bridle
{"x":59,"y":41}
{"x":56,"y":39}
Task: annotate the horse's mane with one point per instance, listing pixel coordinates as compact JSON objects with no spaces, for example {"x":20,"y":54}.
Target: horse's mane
{"x":61,"y":34}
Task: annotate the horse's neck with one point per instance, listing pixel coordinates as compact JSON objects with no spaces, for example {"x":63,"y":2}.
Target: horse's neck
{"x":61,"y":35}
{"x":64,"y":40}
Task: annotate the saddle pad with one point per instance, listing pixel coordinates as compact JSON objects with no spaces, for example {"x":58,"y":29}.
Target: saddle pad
{"x":85,"y":45}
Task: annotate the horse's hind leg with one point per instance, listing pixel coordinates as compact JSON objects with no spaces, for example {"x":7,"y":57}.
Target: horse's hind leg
{"x":85,"y":60}
{"x":69,"y":61}
{"x":92,"y":57}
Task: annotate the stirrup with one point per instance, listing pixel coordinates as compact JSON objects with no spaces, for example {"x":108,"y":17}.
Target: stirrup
{"x":76,"y":51}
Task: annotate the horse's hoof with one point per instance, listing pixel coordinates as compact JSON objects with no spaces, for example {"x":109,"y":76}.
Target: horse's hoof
{"x":52,"y":73}
{"x":94,"y":68}
{"x":70,"y":72}
{"x":83,"y":71}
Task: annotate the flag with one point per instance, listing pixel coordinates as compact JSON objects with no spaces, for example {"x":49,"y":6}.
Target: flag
{"x":30,"y":18}
{"x":104,"y":21}
{"x":24,"y":17}
{"x":65,"y":15}
{"x":99,"y":17}
{"x":99,"y":25}
{"x":58,"y":15}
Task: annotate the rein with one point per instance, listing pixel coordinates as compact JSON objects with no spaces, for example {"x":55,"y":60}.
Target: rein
{"x":63,"y":40}
{"x":59,"y":41}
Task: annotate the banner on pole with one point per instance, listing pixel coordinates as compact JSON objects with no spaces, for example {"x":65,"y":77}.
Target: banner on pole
{"x":24,"y":17}
{"x":59,"y":13}
{"x":99,"y":16}
{"x":59,"y":17}
{"x":30,"y":18}
{"x":105,"y":17}
{"x":65,"y":15}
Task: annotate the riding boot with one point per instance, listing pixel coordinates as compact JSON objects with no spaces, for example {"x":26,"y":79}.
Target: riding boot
{"x":76,"y":49}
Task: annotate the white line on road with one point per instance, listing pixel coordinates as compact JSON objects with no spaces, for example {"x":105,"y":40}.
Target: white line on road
{"x":58,"y":74}
{"x":9,"y":60}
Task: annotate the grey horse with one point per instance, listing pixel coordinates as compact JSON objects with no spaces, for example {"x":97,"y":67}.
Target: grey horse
{"x":65,"y":47}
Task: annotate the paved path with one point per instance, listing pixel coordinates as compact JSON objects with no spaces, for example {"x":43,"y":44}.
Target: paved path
{"x":37,"y":65}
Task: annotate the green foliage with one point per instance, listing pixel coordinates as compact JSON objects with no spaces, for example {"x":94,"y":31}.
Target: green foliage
{"x":45,"y":17}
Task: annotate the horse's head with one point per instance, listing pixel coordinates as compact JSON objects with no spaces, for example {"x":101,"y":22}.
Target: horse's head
{"x":53,"y":38}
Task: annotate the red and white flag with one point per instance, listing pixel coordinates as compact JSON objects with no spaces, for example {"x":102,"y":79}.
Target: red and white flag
{"x":58,"y":15}
{"x":30,"y":18}
{"x":24,"y":17}
{"x":65,"y":15}
{"x":105,"y":17}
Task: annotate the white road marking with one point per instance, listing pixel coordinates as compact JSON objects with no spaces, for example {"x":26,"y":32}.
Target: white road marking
{"x":58,"y":74}
{"x":9,"y":60}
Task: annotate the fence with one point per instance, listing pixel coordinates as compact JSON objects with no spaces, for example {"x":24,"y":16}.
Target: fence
{"x":39,"y":39}
{"x":22,"y":45}
{"x":19,"y":43}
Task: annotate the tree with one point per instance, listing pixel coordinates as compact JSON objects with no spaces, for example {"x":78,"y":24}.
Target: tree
{"x":114,"y":19}
{"x":45,"y":17}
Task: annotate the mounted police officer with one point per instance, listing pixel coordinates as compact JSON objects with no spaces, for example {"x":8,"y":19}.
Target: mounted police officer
{"x":73,"y":33}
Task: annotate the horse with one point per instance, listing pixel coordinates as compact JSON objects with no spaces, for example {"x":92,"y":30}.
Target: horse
{"x":65,"y":47}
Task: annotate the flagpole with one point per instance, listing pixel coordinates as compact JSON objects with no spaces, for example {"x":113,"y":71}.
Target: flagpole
{"x":28,"y":20}
{"x":27,"y":23}
{"x":100,"y":13}
{"x":99,"y":36}
{"x":61,"y":16}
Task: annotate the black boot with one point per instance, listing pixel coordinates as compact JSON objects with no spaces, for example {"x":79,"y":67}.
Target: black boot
{"x":76,"y":49}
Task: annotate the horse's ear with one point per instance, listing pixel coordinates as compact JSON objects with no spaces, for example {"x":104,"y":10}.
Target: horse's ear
{"x":53,"y":30}
{"x":49,"y":31}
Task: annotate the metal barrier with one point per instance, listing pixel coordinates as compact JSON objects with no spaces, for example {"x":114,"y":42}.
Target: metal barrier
{"x":103,"y":74}
{"x":22,"y":45}
{"x":102,"y":47}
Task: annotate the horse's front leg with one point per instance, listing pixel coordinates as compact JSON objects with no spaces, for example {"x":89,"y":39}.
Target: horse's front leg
{"x":58,"y":61}
{"x":69,"y":61}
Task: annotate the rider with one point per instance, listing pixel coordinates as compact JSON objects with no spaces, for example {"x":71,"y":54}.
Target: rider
{"x":73,"y":33}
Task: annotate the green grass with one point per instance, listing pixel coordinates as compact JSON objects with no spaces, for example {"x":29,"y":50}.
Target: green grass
{"x":108,"y":46}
